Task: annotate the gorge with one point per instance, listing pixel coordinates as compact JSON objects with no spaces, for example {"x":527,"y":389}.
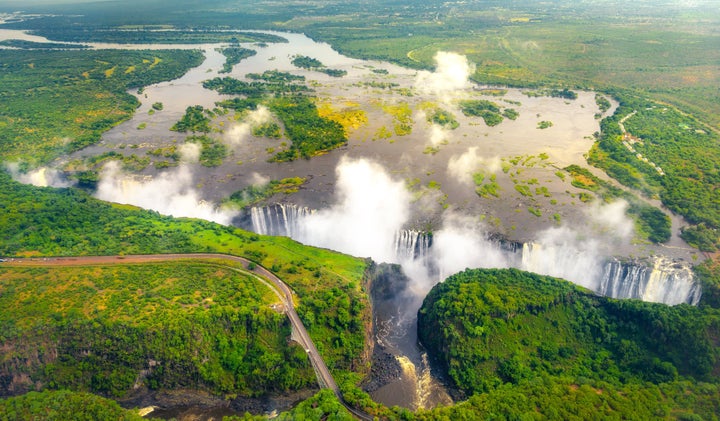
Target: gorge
{"x":423,"y":199}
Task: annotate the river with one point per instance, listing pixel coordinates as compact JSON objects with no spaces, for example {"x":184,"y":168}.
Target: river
{"x":511,"y":153}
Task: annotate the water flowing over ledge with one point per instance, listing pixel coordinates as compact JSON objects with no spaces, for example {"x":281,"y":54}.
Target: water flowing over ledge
{"x":655,"y":279}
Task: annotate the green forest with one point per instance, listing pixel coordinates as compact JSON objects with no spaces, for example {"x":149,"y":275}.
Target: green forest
{"x":309,"y":63}
{"x":557,"y":351}
{"x":186,"y":325}
{"x":233,"y":56}
{"x":68,"y":222}
{"x":64,"y":405}
{"x":679,"y":166}
{"x":53,"y":102}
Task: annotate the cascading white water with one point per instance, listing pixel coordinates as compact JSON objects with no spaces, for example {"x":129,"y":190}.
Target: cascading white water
{"x":279,"y":219}
{"x":663,"y":282}
{"x":657,"y":280}
{"x":561,"y":261}
{"x":412,"y":245}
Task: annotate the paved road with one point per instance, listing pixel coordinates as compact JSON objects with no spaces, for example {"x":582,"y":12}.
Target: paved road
{"x":283,"y":291}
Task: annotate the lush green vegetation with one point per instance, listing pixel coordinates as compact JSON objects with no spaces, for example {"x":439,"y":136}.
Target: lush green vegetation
{"x":708,"y":273}
{"x":483,"y":189}
{"x":106,"y":324}
{"x":555,"y":93}
{"x":55,"y":102}
{"x":323,"y":406}
{"x":488,"y":110}
{"x":701,"y":236}
{"x":603,"y":103}
{"x":544,"y":124}
{"x":510,"y":113}
{"x":443,"y":118}
{"x":233,"y":56}
{"x":67,"y":222}
{"x":254,"y":194}
{"x":510,"y":333}
{"x":64,"y":405}
{"x":61,"y":28}
{"x":268,"y":83}
{"x":310,"y":134}
{"x":275,"y":76}
{"x":269,"y":129}
{"x":402,"y":117}
{"x":305,"y":62}
{"x":213,"y":151}
{"x":673,"y":156}
{"x":195,"y":119}
{"x":309,"y":63}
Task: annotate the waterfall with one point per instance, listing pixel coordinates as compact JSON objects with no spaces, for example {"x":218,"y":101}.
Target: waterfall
{"x":656,"y":279}
{"x":663,"y":281}
{"x":561,"y":261}
{"x":278,"y":219}
{"x":412,"y":245}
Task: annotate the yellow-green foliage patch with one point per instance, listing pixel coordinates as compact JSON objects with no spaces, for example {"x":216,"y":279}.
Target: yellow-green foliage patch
{"x":135,"y":294}
{"x":351,"y":117}
{"x":402,"y":116}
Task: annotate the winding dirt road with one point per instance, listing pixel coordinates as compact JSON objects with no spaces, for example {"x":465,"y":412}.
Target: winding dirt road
{"x":280,"y":288}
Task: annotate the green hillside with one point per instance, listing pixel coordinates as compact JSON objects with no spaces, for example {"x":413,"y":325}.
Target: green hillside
{"x":528,"y":344}
{"x":68,"y":222}
{"x":109,"y":329}
{"x":64,"y":405}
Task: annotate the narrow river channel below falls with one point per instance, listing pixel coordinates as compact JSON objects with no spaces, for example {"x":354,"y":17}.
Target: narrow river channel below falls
{"x":425,"y":163}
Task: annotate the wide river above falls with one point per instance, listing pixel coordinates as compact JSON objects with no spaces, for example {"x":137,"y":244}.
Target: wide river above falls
{"x":438,"y":165}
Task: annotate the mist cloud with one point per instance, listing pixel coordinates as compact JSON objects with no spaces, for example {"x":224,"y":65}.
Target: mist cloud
{"x":438,"y":135}
{"x":611,"y":220}
{"x":189,"y":152}
{"x":462,"y":167}
{"x":461,"y":244}
{"x":577,"y":253}
{"x":40,"y":177}
{"x":452,"y":72}
{"x":370,"y":208}
{"x":258,"y":180}
{"x":170,"y":193}
{"x":564,"y":253}
{"x":236,"y":135}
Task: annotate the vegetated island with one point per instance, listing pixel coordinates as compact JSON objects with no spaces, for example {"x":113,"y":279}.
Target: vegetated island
{"x":284,"y":94}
